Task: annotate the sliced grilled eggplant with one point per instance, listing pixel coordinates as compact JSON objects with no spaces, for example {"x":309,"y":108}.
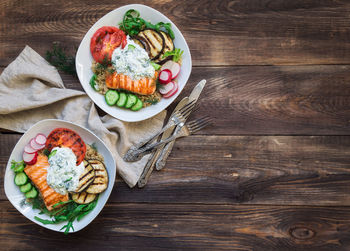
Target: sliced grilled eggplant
{"x":101,"y":177}
{"x":142,"y":42}
{"x":155,"y":40}
{"x":168,"y":46}
{"x":86,"y":178}
{"x":83,"y":197}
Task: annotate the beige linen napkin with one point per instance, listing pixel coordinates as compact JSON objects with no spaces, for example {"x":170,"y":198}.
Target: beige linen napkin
{"x":32,"y":90}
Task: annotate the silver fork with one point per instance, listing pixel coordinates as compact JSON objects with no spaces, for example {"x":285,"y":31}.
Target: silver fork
{"x":177,"y":118}
{"x":186,"y":130}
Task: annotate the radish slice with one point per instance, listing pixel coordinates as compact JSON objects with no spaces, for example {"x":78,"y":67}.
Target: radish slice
{"x":173,"y":67}
{"x":164,"y":89}
{"x":29,"y":158}
{"x":40,"y":139}
{"x":29,"y":149}
{"x":35,"y":145}
{"x":173,"y":91}
{"x":165,"y":76}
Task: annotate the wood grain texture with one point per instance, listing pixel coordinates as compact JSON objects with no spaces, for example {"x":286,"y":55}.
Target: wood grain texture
{"x":274,"y":171}
{"x":270,"y":100}
{"x":292,"y":100}
{"x":257,"y":32}
{"x":271,"y":170}
{"x":178,"y":227}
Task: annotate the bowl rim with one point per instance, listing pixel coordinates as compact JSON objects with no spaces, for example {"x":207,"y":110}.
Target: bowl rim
{"x":111,"y":174}
{"x":139,"y":115}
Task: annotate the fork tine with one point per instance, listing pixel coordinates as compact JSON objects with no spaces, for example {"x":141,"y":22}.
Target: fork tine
{"x":187,"y":107}
{"x":198,"y":124}
{"x":186,"y":113}
{"x":195,"y":108}
{"x":201,"y":126}
{"x":197,"y":121}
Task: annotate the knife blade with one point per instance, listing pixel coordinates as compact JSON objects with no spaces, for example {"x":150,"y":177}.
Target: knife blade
{"x":162,"y":157}
{"x":154,"y":156}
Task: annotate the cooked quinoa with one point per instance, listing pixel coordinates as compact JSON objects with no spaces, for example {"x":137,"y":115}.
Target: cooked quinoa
{"x":100,"y":72}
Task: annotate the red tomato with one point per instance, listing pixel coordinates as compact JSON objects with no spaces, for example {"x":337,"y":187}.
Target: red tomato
{"x":104,"y":41}
{"x":67,"y":138}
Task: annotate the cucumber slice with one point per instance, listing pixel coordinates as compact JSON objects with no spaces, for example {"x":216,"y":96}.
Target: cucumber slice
{"x":21,"y":179}
{"x":122,"y":99}
{"x":132,"y":99}
{"x":25,"y":188}
{"x":32,"y":193}
{"x":111,"y":97}
{"x":137,"y":106}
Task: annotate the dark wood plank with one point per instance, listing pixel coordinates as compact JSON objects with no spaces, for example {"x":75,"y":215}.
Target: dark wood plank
{"x":297,"y":100}
{"x":270,"y":100}
{"x":280,"y":170}
{"x":218,"y":32}
{"x":205,"y":227}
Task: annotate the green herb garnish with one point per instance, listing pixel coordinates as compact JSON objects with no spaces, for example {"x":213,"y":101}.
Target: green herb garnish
{"x":158,"y":84}
{"x":17,"y":166}
{"x":46,"y":152}
{"x":131,"y":47}
{"x":93,"y":146}
{"x":132,"y":24}
{"x":104,"y":64}
{"x":70,"y":211}
{"x":53,"y":153}
{"x":176,"y":53}
{"x":68,"y":179}
{"x":58,"y":58}
{"x":155,"y":66}
{"x":151,"y":101}
{"x":111,"y":70}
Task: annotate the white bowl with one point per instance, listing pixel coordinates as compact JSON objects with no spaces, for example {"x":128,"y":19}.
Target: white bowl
{"x":16,"y":197}
{"x":84,"y":60}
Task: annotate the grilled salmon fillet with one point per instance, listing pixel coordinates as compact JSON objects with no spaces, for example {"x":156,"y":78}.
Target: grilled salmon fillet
{"x":37,"y":173}
{"x":143,"y":86}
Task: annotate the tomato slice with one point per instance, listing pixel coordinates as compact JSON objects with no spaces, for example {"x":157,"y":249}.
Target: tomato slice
{"x":67,"y":138}
{"x":104,"y":41}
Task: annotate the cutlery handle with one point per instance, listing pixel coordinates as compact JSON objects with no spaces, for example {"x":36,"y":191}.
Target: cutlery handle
{"x":164,"y":156}
{"x":147,"y":171}
{"x":170,"y":124}
{"x":137,"y":154}
{"x":165,"y":153}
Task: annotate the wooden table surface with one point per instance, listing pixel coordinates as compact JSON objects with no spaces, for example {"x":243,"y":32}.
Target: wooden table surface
{"x":274,"y":171}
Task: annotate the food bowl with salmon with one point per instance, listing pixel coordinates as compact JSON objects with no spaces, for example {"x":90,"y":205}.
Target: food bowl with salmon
{"x":133,"y":62}
{"x":59,"y":175}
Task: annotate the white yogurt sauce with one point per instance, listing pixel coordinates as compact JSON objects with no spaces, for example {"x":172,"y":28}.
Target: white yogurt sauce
{"x":132,"y":61}
{"x":63,"y":174}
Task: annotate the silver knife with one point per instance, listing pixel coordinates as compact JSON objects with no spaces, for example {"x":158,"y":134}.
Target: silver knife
{"x":168,"y":147}
{"x":152,"y":160}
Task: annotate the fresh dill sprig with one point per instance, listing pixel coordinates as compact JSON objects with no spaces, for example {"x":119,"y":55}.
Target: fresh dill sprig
{"x":151,"y":101}
{"x":58,"y":58}
{"x":158,"y":84}
{"x":93,"y":146}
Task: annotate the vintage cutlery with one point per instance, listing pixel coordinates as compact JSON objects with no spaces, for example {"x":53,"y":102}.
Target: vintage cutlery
{"x":151,"y":161}
{"x":178,"y":117}
{"x":165,"y":151}
{"x":186,"y":130}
